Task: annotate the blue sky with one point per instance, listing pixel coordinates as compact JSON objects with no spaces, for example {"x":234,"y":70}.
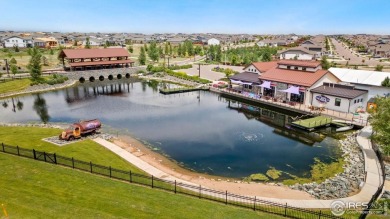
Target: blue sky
{"x":195,"y":16}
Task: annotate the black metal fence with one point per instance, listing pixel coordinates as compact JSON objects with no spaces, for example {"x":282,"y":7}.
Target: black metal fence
{"x":380,"y":189}
{"x":225,"y":197}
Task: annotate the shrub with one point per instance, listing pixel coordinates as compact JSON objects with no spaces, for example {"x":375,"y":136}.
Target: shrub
{"x":177,"y":67}
{"x":184,"y":76}
{"x":56,"y":79}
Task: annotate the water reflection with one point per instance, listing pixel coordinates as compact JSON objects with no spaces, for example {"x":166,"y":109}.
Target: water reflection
{"x":40,"y":108}
{"x":15,"y":106}
{"x":207,"y":136}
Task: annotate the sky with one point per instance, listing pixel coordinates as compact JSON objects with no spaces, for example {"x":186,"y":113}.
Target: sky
{"x":198,"y":16}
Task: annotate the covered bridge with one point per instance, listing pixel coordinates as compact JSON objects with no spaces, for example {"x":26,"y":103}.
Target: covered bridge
{"x":84,"y":59}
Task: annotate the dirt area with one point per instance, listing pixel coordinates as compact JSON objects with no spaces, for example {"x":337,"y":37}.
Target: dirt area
{"x":235,"y":186}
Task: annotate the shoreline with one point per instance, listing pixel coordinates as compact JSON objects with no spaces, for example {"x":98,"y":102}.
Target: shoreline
{"x":164,"y":164}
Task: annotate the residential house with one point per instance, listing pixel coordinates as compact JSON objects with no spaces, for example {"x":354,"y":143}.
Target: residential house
{"x":15,"y":41}
{"x":298,"y":53}
{"x":213,"y":41}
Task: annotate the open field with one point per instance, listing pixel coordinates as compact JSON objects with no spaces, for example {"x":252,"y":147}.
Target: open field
{"x":41,"y":190}
{"x":88,"y":150}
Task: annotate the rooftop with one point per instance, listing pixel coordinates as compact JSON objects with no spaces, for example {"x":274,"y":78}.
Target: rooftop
{"x":264,"y":66}
{"x":302,"y":78}
{"x":339,"y":91}
{"x":246,"y":77}
{"x":311,"y":64}
{"x":94,"y":53}
{"x":373,"y":78}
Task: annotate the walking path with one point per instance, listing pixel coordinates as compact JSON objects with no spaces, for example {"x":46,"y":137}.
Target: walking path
{"x":372,"y":167}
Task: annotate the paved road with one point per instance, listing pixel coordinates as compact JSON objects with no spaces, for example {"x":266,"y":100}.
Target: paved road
{"x":205,"y":71}
{"x":353,"y":59}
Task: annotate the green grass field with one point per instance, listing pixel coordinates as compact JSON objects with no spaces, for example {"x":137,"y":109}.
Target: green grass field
{"x":87,"y":150}
{"x":14,"y":85}
{"x":314,"y":122}
{"x":32,"y":189}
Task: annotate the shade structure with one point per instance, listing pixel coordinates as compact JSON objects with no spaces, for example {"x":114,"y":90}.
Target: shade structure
{"x":292,"y":90}
{"x":266,"y":84}
{"x":236,"y":81}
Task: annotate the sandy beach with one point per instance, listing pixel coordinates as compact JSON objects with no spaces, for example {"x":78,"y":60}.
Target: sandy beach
{"x":164,"y":164}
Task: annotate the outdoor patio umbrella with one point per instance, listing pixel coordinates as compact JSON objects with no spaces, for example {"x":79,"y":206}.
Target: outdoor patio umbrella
{"x":292,"y":90}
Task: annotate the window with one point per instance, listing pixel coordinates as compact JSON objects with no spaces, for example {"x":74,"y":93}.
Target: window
{"x":354,"y":101}
{"x":250,"y":87}
{"x":303,"y":69}
{"x":361,"y":100}
{"x":337,"y":102}
{"x":296,"y":68}
{"x":288,"y":67}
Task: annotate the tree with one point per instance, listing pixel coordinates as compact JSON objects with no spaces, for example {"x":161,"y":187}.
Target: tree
{"x":131,"y":50}
{"x":75,"y":42}
{"x":170,"y":49}
{"x":107,"y":44}
{"x":87,"y":43}
{"x":380,"y":118}
{"x":166,"y":49}
{"x":146,"y":47}
{"x":13,"y":61}
{"x":45,"y":61}
{"x":324,"y":63}
{"x":34,"y":64}
{"x":16,"y":48}
{"x":153,"y":51}
{"x":142,"y":57}
{"x":160,"y":51}
{"x":52,"y":51}
{"x":14,"y":69}
{"x":228,"y":72}
{"x":218,"y":55}
{"x":179,"y":50}
{"x":386,"y":82}
{"x":379,"y":68}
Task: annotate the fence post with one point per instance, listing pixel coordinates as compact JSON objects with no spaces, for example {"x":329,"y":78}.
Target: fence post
{"x":72,"y":163}
{"x":17,"y":147}
{"x":285,"y":210}
{"x":35,"y":155}
{"x":319,"y":216}
{"x":175,"y":186}
{"x":55,"y":158}
{"x":254,"y":204}
{"x":131,"y":180}
{"x":2,"y":144}
{"x":44,"y":156}
{"x":152,"y":181}
{"x":226,"y":197}
{"x":110,"y":171}
{"x":200,"y":191}
{"x":90,"y":164}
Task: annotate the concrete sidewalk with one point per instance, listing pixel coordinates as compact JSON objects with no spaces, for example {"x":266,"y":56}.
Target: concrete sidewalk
{"x":372,"y":167}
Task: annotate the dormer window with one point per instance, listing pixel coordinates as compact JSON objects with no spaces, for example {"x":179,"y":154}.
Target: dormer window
{"x":295,"y":68}
{"x":303,"y":69}
{"x":288,"y":67}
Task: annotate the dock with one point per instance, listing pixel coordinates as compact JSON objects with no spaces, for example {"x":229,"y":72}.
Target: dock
{"x":312,"y":123}
{"x":182,"y":90}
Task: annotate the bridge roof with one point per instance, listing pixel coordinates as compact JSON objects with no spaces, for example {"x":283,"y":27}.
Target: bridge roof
{"x":94,"y":53}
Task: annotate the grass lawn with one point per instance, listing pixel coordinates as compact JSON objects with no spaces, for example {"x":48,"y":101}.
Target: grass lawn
{"x":87,"y":150}
{"x":32,"y":189}
{"x":14,"y":85}
{"x":314,"y":122}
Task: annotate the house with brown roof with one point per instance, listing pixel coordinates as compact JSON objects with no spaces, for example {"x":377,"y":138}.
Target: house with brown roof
{"x":84,"y":59}
{"x":292,"y":80}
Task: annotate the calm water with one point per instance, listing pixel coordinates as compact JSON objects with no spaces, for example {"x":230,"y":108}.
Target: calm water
{"x":200,"y":130}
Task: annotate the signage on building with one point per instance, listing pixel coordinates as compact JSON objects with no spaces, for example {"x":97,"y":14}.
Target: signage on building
{"x":322,"y":99}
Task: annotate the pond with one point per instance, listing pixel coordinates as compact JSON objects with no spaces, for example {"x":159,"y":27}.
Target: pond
{"x":201,"y":130}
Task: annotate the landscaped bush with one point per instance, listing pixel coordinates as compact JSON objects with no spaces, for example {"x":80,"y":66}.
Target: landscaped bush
{"x":177,"y":67}
{"x":54,"y":79}
{"x":184,"y":76}
{"x":224,"y":70}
